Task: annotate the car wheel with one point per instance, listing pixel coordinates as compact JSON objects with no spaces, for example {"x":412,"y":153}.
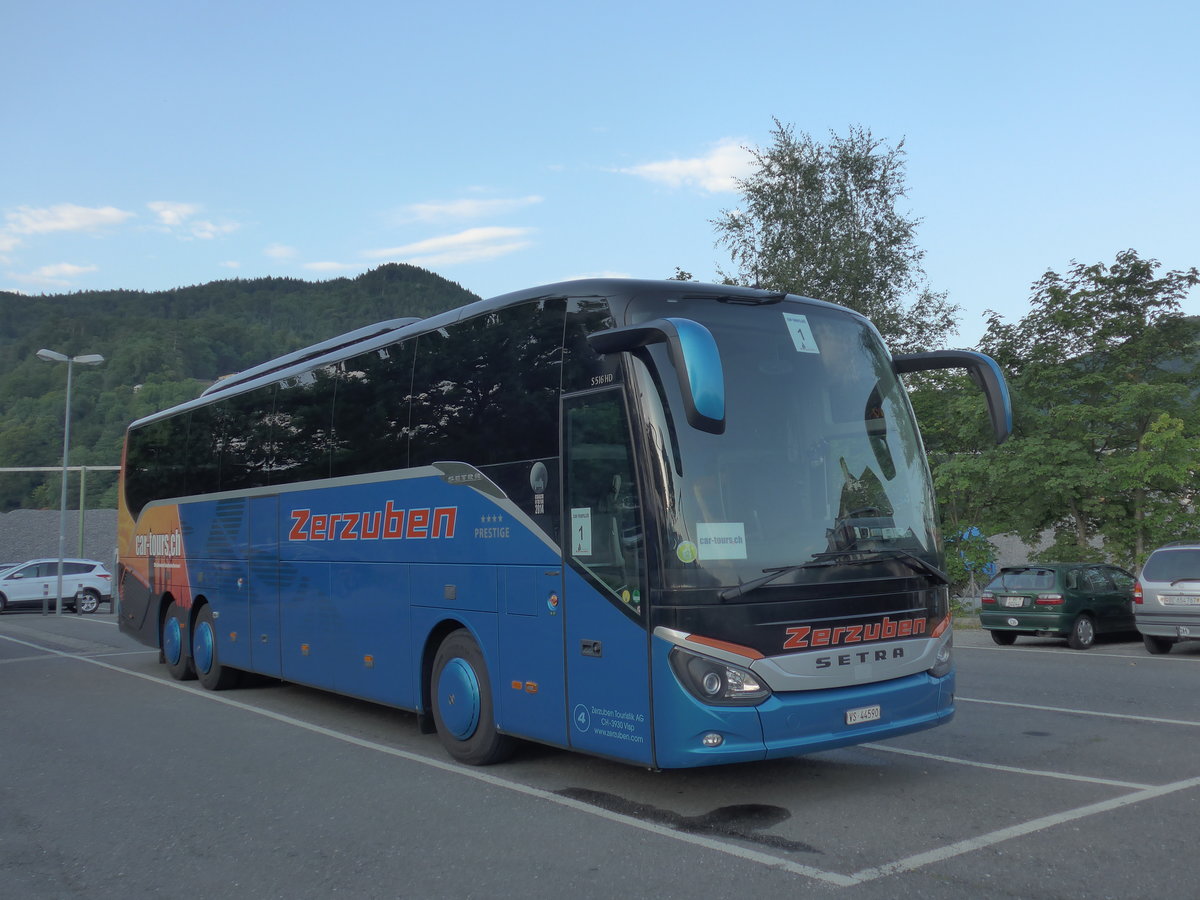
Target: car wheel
{"x":1083,"y":633}
{"x":1157,"y":645}
{"x":462,"y":703}
{"x":3,"y":603}
{"x":89,"y":603}
{"x":174,"y":640}
{"x":1003,"y":638}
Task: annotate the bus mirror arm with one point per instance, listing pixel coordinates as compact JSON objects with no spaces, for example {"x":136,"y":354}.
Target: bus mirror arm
{"x":694,"y":355}
{"x":983,"y":371}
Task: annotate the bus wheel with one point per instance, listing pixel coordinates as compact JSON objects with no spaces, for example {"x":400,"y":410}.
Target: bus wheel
{"x":205,"y":657}
{"x":174,"y":631}
{"x":462,"y":703}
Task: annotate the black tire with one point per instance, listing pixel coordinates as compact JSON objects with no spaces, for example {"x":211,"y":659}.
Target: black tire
{"x":461,"y":695}
{"x":175,"y":643}
{"x":1157,"y":645}
{"x":1004,"y":638}
{"x":3,"y":603}
{"x":1083,"y":633}
{"x":206,"y":658}
{"x":89,"y":603}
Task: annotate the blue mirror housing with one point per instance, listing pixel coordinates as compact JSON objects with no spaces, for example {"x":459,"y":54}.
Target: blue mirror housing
{"x":694,"y":354}
{"x":983,"y":371}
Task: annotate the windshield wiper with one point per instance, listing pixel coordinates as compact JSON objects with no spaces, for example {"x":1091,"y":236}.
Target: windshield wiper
{"x":839,"y":558}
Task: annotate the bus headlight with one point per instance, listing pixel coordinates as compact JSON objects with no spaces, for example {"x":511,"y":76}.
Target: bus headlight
{"x":944,"y":659}
{"x":716,"y":682}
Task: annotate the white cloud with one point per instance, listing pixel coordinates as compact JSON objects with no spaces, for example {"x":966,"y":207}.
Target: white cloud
{"x":472,"y":245}
{"x":280,"y":251}
{"x":57,"y":275}
{"x":230,"y":264}
{"x":63,"y":217}
{"x":206,"y":231}
{"x":172,"y":214}
{"x":331,"y":266}
{"x":467,"y":208}
{"x":716,"y":173}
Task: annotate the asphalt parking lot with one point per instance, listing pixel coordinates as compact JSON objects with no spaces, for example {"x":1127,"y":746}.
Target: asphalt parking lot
{"x":1064,"y":774}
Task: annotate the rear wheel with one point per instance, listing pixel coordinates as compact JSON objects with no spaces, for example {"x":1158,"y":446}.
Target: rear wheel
{"x":205,"y":656}
{"x":1083,"y":633}
{"x":462,"y":703}
{"x":1004,"y":638}
{"x":89,"y":602}
{"x":1157,"y":645}
{"x":174,"y":637}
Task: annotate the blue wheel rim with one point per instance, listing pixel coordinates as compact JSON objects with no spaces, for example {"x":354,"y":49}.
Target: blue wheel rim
{"x":203,"y":649}
{"x":458,"y":698}
{"x":172,"y":640}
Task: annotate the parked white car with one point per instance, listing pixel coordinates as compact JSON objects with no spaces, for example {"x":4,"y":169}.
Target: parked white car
{"x":27,"y":584}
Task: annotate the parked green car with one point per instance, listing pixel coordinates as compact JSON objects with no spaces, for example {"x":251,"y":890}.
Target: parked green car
{"x":1072,"y":600}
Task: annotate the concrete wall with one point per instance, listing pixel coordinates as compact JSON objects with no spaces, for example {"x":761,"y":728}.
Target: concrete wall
{"x":32,"y":533}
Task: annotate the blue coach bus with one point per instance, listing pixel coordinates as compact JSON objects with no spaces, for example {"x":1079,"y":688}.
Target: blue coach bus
{"x":666,"y":523}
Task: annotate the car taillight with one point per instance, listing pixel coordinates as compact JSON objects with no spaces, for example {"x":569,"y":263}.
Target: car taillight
{"x":1137,"y":592}
{"x":1049,"y":599}
{"x":103,"y":575}
{"x":987,"y":597}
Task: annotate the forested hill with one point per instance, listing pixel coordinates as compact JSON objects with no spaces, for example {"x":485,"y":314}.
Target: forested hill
{"x":161,"y":348}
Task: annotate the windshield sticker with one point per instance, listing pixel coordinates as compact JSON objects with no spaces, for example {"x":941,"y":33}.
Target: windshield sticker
{"x":581,"y":531}
{"x":801,"y":333}
{"x":721,"y":540}
{"x":686,"y":551}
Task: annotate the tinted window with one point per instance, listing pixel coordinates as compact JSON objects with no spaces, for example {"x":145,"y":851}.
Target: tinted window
{"x":1172,"y":565}
{"x":371,"y":411}
{"x":154,"y":462}
{"x":1023,"y":580}
{"x":247,"y":443}
{"x":485,"y":391}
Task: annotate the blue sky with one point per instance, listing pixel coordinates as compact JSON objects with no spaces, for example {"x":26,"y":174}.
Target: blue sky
{"x":151,"y":145}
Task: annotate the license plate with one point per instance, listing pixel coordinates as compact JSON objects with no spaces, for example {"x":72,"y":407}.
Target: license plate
{"x":1185,"y":600}
{"x":864,"y":714}
{"x":1014,"y":601}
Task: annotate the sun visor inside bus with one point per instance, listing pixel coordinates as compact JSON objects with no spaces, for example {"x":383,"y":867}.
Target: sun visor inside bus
{"x":693,"y":352}
{"x":983,"y":371}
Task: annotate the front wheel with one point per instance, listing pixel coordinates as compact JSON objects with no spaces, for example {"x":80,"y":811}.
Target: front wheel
{"x":1003,"y":638}
{"x":206,"y":658}
{"x":1157,"y":645}
{"x":173,"y":642}
{"x":1083,"y":633}
{"x":462,"y":703}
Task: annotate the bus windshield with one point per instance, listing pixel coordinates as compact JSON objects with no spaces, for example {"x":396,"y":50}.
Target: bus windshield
{"x":819,"y":471}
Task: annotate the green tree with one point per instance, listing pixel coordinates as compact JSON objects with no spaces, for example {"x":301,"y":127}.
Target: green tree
{"x":1104,"y":370}
{"x":822,"y":220}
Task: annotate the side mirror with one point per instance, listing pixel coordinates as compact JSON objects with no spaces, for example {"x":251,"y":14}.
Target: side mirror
{"x":983,"y":371}
{"x":693,"y":353}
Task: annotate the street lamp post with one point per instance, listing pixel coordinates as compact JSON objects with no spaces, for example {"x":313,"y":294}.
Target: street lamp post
{"x":89,"y":359}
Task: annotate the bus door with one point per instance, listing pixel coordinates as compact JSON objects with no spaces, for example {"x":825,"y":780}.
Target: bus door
{"x":607,"y":653}
{"x":264,"y":586}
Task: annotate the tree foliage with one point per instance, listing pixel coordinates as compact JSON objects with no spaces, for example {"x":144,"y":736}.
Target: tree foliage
{"x":1103,"y":371}
{"x":162,"y":348}
{"x":822,"y":220}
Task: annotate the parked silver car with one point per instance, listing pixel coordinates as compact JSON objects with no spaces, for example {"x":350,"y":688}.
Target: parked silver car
{"x":28,"y":583}
{"x":1166,"y":598}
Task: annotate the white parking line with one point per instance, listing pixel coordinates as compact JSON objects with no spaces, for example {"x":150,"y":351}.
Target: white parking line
{"x":779,"y":863}
{"x":1081,"y":712}
{"x":1014,"y":770}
